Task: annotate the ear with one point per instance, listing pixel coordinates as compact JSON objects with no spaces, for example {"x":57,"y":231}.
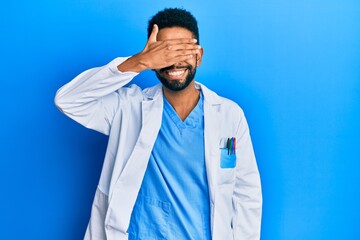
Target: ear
{"x":199,"y":57}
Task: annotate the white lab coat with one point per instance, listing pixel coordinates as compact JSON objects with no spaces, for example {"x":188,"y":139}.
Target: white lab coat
{"x":132,"y":117}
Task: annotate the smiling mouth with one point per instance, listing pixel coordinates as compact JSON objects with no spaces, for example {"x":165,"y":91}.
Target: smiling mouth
{"x":175,"y":73}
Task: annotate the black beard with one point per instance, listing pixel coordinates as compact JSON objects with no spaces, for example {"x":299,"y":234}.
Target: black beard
{"x":176,"y":85}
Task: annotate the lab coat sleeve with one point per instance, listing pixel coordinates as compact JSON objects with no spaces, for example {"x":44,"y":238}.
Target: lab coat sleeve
{"x":96,"y":228}
{"x":91,"y":98}
{"x":247,"y":194}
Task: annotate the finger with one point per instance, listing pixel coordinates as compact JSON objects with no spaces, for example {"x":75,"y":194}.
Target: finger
{"x":180,"y":40}
{"x":169,"y":61}
{"x":182,"y":58}
{"x":183,"y":52}
{"x":182,"y":46}
{"x":153,"y":35}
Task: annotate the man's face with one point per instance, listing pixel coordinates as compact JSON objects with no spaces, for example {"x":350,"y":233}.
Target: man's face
{"x":178,"y":76}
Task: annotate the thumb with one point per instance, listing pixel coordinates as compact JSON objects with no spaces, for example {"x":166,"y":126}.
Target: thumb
{"x":154,"y":32}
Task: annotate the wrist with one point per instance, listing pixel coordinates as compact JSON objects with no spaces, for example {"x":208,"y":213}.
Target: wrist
{"x":133,"y":64}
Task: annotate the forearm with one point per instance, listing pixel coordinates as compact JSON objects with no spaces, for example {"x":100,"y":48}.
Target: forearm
{"x":91,"y":98}
{"x":92,"y":84}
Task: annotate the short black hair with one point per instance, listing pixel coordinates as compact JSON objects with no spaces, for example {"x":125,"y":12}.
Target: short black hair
{"x":174,"y":17}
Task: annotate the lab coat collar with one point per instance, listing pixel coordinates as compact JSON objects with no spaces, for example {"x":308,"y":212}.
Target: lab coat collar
{"x":209,"y":96}
{"x":153,"y":93}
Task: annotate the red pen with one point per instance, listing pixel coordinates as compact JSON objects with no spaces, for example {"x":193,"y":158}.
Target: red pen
{"x":234,"y":145}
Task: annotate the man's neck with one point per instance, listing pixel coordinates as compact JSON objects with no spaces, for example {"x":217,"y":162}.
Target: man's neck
{"x":183,"y":101}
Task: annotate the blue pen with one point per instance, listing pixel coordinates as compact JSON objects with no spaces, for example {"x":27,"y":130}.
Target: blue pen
{"x":228,"y":145}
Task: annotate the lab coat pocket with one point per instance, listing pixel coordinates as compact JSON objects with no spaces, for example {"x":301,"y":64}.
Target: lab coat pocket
{"x":149,"y":219}
{"x":227,"y":160}
{"x":226,"y":168}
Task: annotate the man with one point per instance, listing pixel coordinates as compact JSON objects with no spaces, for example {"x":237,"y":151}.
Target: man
{"x":179,"y":162}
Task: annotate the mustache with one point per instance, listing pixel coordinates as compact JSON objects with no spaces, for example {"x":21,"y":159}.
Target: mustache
{"x":189,"y":67}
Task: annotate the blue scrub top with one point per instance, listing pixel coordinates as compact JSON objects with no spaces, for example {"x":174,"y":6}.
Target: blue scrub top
{"x":173,"y":202}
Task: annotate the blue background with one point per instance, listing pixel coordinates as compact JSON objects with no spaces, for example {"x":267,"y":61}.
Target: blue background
{"x":293,"y":66}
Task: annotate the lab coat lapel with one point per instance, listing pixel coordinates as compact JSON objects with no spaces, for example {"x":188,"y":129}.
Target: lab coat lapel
{"x":211,"y":137}
{"x":212,"y":126}
{"x":131,"y":178}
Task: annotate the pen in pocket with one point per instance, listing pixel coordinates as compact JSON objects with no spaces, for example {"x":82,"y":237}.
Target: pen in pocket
{"x":231,"y":145}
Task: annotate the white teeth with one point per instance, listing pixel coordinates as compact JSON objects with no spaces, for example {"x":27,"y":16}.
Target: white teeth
{"x":176,"y":73}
